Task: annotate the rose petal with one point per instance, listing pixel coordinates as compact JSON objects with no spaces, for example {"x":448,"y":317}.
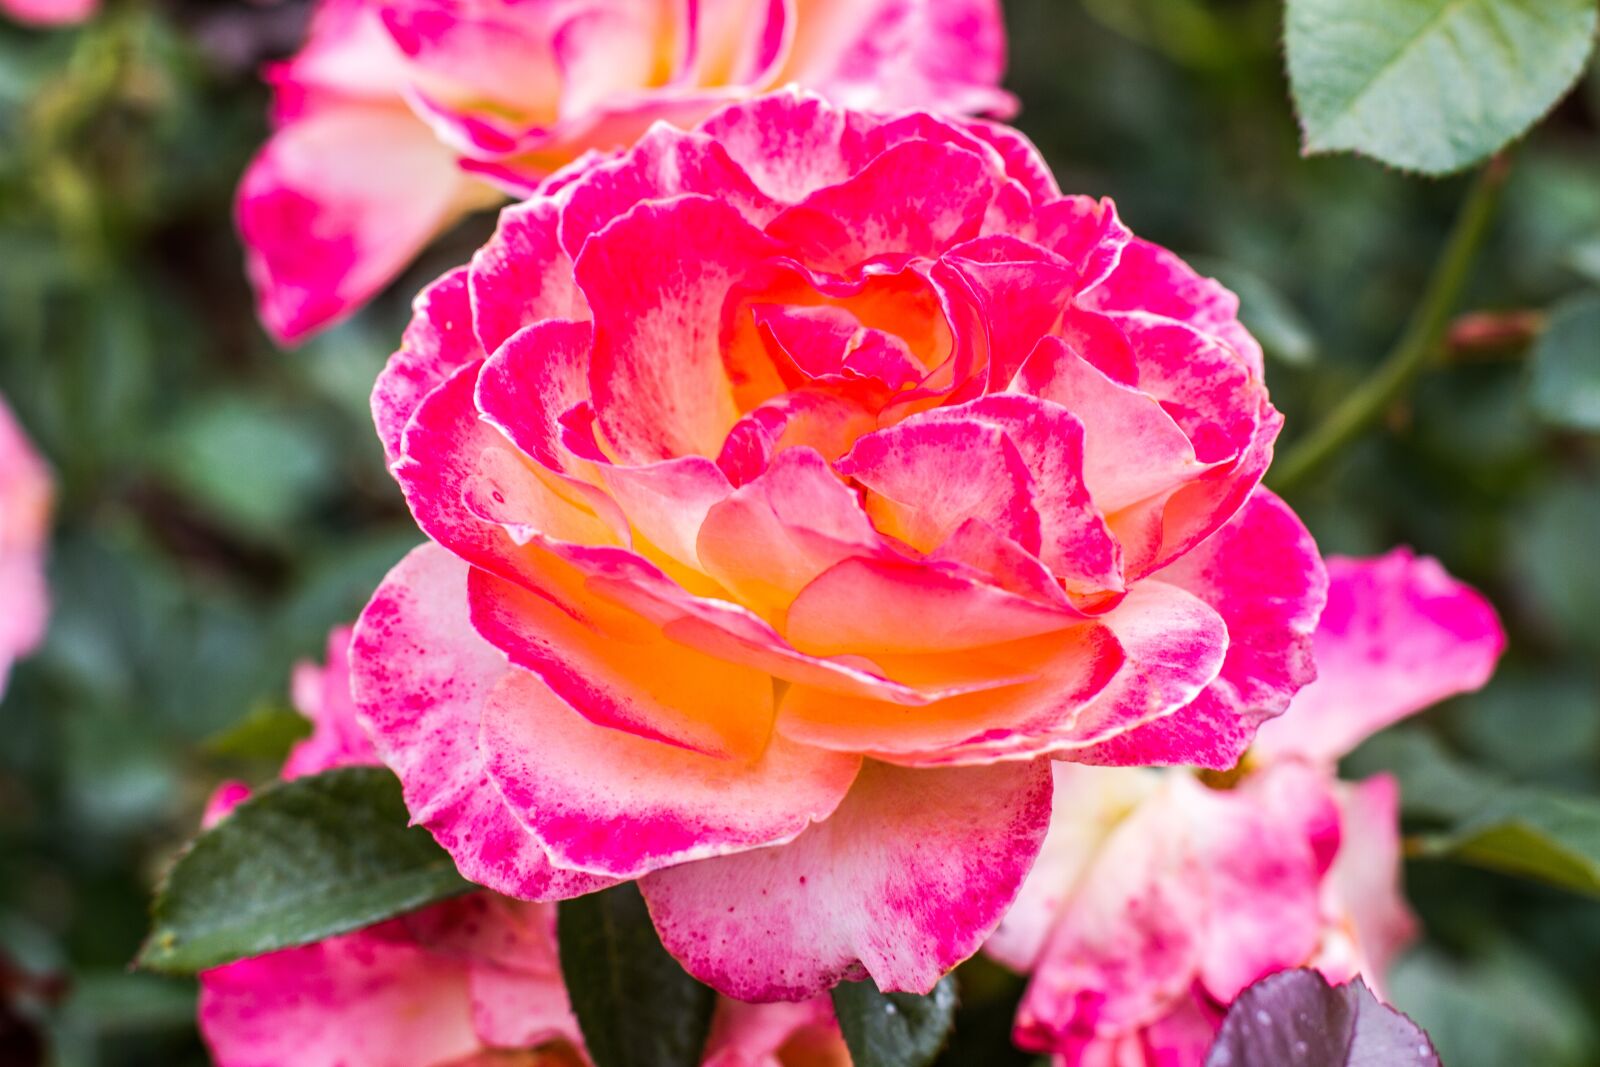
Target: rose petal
{"x":900,"y":884}
{"x":438,"y":341}
{"x":333,"y":208}
{"x":421,"y":676}
{"x":1398,"y":635}
{"x":618,"y":805}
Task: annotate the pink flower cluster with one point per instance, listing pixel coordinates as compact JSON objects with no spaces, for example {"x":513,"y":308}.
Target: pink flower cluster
{"x":1158,"y":897}
{"x":471,"y":982}
{"x":798,"y":485}
{"x":25,"y":499}
{"x":399,"y":115}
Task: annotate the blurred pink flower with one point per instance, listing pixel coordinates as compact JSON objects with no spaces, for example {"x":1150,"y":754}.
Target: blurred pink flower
{"x":49,"y":12}
{"x":1159,"y":898}
{"x":25,"y":503}
{"x":399,"y":115}
{"x":470,"y":982}
{"x":798,"y":485}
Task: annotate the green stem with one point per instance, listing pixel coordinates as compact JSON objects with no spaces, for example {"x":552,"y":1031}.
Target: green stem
{"x":1416,"y":348}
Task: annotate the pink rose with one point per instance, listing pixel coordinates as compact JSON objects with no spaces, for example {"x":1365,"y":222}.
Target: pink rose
{"x":471,"y":982}
{"x":797,"y":486}
{"x":49,"y":12}
{"x":1158,"y":898}
{"x":25,"y":504}
{"x":399,"y":115}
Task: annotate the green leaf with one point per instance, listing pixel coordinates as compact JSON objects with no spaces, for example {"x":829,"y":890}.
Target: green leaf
{"x":636,"y":1005}
{"x":1489,"y":822}
{"x":299,"y":862}
{"x":267,"y":733}
{"x":1431,"y":85}
{"x":894,"y":1029}
{"x":1565,"y":384}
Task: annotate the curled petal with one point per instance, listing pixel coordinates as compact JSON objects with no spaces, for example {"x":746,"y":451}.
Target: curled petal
{"x":438,"y":341}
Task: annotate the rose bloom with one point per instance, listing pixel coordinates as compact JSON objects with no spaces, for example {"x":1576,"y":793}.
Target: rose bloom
{"x":1159,"y":897}
{"x":797,"y":486}
{"x":25,"y":504}
{"x":49,"y":12}
{"x":400,"y":115}
{"x":470,"y":982}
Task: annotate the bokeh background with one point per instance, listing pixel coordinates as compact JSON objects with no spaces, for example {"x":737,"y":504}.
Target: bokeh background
{"x":222,"y":503}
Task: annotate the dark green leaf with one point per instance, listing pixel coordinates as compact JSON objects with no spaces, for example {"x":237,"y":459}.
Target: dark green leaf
{"x":636,"y":1005}
{"x":1296,"y":1017}
{"x":894,"y":1029}
{"x":301,"y":861}
{"x":1431,"y":85}
{"x":1565,"y":383}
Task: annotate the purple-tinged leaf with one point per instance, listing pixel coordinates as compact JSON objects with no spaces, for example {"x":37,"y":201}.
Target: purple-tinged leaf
{"x":1296,"y":1019}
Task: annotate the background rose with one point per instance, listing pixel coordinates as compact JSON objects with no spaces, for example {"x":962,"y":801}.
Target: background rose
{"x":796,"y":484}
{"x":1158,"y":899}
{"x":469,"y":977}
{"x":49,"y":12}
{"x":397,"y":112}
{"x":25,"y":496}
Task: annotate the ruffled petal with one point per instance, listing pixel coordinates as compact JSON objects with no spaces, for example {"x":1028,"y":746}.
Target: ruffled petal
{"x":438,"y":341}
{"x":902,"y":883}
{"x":619,"y":805}
{"x":1262,"y":573}
{"x":523,"y":275}
{"x":421,"y":677}
{"x":657,"y":279}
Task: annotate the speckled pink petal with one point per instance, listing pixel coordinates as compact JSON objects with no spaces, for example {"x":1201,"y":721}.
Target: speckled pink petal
{"x":665,"y":163}
{"x":523,"y":275}
{"x":1398,"y":635}
{"x":915,"y":199}
{"x":1128,"y":943}
{"x":619,"y":805}
{"x":421,"y":677}
{"x":335,"y":206}
{"x":902,"y":883}
{"x":790,"y":143}
{"x":1263,"y":851}
{"x":437,"y":342}
{"x":1133,"y":449}
{"x":1150,"y":278}
{"x":1263,"y":575}
{"x":1086,"y":806}
{"x":927,"y":476}
{"x":353,"y":1000}
{"x":660,"y":390}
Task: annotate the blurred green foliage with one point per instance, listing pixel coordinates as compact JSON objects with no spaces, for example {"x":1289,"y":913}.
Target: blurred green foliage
{"x":222,"y":503}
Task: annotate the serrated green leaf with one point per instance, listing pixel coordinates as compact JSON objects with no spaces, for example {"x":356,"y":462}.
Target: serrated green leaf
{"x":894,"y":1029}
{"x":1431,"y":85}
{"x":636,"y":1005}
{"x":298,"y":862}
{"x":1564,"y":387}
